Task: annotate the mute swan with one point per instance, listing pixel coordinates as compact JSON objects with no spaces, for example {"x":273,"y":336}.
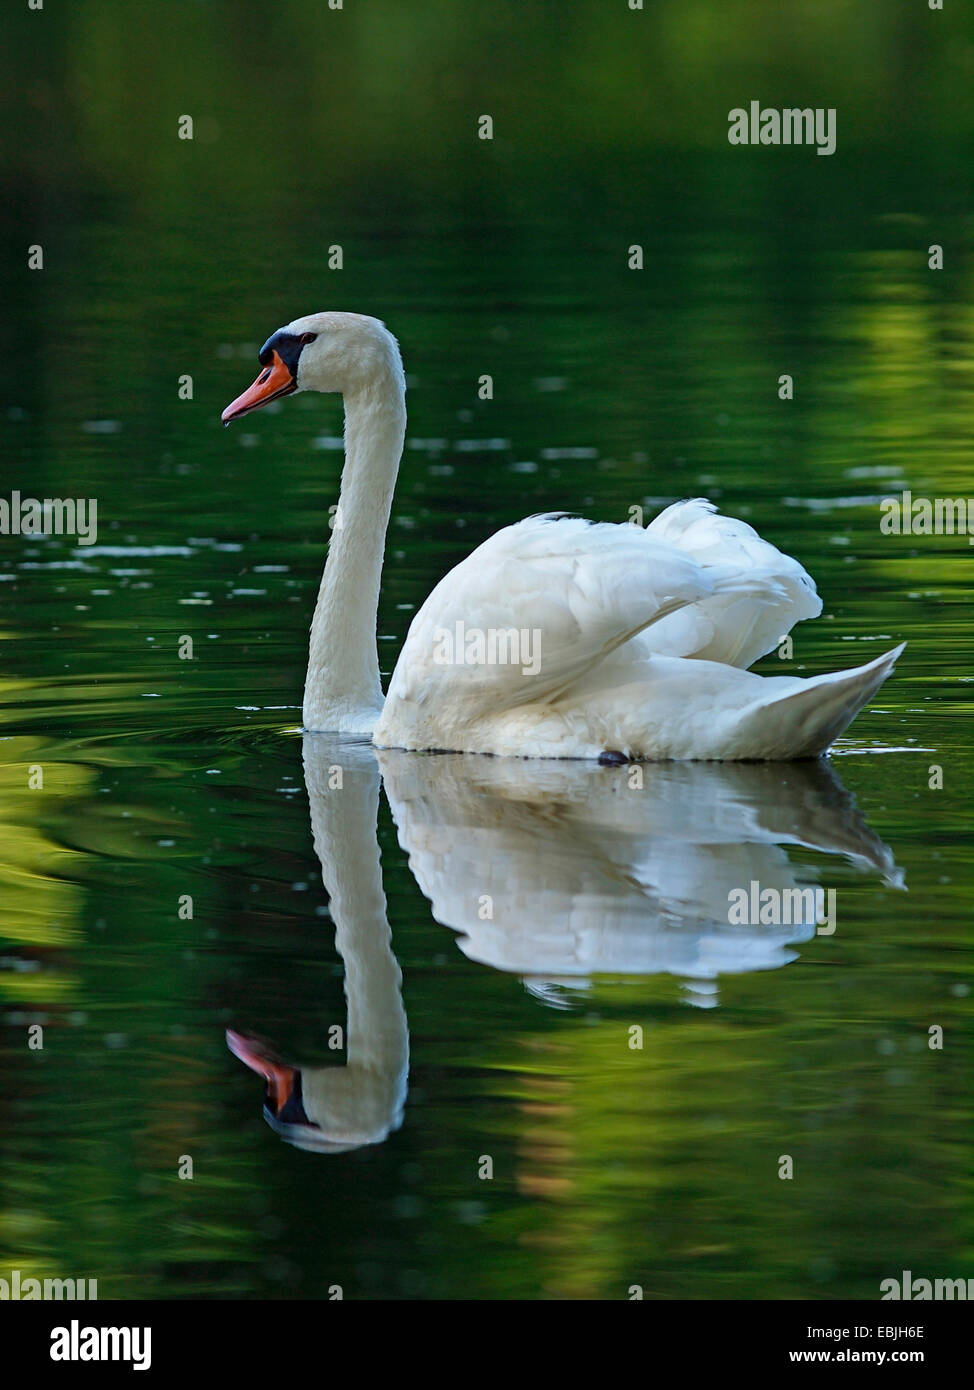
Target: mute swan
{"x":556,"y":637}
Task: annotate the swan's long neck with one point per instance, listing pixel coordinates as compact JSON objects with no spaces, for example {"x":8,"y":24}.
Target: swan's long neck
{"x":342,"y":691}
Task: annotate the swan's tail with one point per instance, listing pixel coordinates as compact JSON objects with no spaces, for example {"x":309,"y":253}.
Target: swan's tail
{"x":801,"y":723}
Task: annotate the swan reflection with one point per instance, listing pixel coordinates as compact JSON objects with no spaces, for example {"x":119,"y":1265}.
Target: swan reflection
{"x":331,"y":1109}
{"x":554,"y":871}
{"x":558,"y":871}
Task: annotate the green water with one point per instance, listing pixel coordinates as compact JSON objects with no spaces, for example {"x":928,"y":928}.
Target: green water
{"x":165,"y":778}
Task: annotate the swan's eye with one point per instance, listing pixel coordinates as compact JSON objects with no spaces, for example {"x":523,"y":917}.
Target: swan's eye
{"x":308,"y":337}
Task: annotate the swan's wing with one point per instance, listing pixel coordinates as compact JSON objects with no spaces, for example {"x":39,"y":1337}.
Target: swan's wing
{"x":558,"y":593}
{"x":732,"y":628}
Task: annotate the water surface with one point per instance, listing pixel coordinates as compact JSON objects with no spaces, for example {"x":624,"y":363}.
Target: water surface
{"x":166,"y":780}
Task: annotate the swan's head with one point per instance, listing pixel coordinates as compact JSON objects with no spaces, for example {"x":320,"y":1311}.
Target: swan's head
{"x":322,"y":352}
{"x":324,"y":1109}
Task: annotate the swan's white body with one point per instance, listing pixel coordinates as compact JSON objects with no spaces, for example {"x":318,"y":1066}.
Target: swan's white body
{"x":557,"y":637}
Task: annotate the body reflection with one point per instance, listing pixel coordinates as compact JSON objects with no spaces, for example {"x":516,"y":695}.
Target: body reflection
{"x":557,"y":871}
{"x":554,"y":871}
{"x":335,"y":1108}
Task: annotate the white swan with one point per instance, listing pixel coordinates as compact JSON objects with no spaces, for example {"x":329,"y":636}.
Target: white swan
{"x":623,"y":640}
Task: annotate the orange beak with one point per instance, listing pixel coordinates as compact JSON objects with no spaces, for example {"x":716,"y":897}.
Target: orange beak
{"x":275,"y":380}
{"x":280,"y":1078}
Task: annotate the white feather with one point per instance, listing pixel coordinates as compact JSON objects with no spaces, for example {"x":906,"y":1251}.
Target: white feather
{"x":733,"y":629}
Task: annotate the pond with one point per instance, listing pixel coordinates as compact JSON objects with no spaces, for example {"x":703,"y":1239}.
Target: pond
{"x":286,"y":1049}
